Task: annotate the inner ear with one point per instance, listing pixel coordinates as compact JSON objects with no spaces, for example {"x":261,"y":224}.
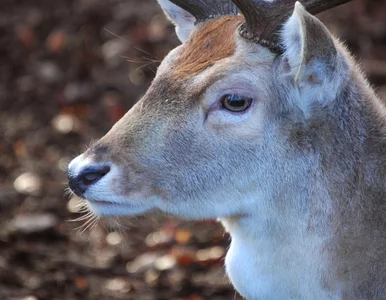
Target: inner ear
{"x":309,"y":47}
{"x":182,"y":20}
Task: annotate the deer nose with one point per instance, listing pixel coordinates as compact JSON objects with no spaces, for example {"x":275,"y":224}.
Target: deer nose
{"x":80,"y":182}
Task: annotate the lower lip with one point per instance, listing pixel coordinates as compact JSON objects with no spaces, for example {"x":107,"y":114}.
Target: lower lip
{"x":101,"y":202}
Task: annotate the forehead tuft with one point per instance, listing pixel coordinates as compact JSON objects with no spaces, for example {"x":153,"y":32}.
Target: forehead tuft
{"x":209,"y":43}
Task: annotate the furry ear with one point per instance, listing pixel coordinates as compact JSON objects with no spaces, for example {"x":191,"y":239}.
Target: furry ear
{"x":314,"y":61}
{"x":183,"y":20}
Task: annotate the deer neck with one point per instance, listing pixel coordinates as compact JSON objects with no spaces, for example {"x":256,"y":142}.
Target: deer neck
{"x":278,"y":250}
{"x":276,"y":259}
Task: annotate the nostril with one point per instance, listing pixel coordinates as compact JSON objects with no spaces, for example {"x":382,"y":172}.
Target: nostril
{"x":83,"y":180}
{"x":91,"y":175}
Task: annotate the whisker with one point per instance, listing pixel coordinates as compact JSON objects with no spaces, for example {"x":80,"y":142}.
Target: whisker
{"x":67,"y":193}
{"x":143,"y":66}
{"x":88,"y":215}
{"x":122,"y":234}
{"x":90,"y":144}
{"x":88,"y":224}
{"x":121,"y":225}
{"x":133,"y":60}
{"x":151,"y":60}
{"x":134,"y":46}
{"x":96,"y":223}
{"x":82,"y":218}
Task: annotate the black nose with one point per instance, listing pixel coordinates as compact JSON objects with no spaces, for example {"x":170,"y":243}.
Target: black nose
{"x":79,"y":183}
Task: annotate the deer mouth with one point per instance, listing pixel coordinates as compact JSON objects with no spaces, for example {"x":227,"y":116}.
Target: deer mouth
{"x":116,"y":208}
{"x":103,"y":202}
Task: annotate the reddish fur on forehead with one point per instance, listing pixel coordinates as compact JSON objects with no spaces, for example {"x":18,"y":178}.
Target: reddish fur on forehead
{"x":211,"y":42}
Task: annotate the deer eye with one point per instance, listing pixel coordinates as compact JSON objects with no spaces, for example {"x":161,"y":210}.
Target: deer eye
{"x":236,"y":103}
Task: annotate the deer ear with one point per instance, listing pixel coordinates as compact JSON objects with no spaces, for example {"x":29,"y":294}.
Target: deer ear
{"x":310,"y":51}
{"x":183,"y":20}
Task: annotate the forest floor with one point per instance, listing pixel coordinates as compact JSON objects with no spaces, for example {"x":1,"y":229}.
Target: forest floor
{"x":69,"y":69}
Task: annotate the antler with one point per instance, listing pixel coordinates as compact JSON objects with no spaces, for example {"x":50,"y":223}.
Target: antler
{"x":263,"y":19}
{"x":204,"y":10}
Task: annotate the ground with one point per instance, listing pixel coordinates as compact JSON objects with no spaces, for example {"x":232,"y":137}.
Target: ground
{"x":69,"y":69}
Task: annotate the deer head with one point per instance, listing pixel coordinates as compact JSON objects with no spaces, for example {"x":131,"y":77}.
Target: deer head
{"x":247,"y":119}
{"x":202,"y":142}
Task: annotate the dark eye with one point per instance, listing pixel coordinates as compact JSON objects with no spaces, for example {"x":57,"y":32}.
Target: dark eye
{"x":236,"y":103}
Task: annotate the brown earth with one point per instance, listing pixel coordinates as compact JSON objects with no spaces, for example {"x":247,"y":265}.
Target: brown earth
{"x":69,"y":69}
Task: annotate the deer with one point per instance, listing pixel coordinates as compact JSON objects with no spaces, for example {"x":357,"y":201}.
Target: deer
{"x":260,"y":118}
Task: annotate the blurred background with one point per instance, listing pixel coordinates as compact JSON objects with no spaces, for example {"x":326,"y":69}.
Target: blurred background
{"x":69,"y":69}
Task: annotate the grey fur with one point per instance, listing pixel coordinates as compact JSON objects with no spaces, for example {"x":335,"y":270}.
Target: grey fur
{"x":300,"y":184}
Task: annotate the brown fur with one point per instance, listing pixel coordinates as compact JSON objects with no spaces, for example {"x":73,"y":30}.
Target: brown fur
{"x":211,"y":42}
